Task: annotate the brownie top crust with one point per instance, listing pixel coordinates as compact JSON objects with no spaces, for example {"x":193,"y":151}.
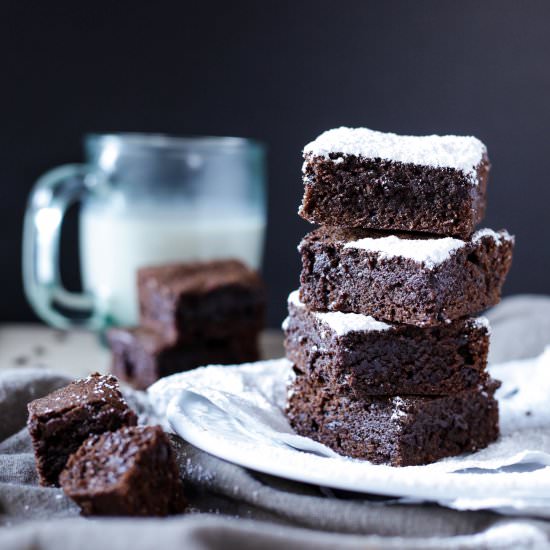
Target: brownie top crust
{"x":198,"y":277}
{"x":95,"y":389}
{"x":461,"y":153}
{"x":420,"y":248}
{"x":344,"y":323}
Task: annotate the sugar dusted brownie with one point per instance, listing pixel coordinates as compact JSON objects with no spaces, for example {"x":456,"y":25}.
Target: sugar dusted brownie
{"x":141,"y":356}
{"x":356,"y":177}
{"x":403,"y":278}
{"x":396,"y":430}
{"x":358,"y":354}
{"x":129,"y":472}
{"x":59,"y":422}
{"x":201,"y":301}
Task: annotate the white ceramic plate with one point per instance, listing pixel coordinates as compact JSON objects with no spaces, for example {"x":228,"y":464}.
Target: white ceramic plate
{"x":235,"y":413}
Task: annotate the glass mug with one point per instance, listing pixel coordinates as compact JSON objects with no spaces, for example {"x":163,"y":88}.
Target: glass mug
{"x":145,"y":200}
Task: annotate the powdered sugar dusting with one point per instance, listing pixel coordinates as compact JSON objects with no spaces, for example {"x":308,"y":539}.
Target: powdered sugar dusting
{"x":294,"y":299}
{"x":341,"y":323}
{"x":482,"y":322}
{"x":430,"y":252}
{"x":398,"y":411}
{"x":462,"y":153}
{"x":498,"y":236}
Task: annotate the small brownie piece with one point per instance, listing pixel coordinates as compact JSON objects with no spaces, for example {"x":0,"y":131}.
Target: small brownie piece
{"x":141,"y":357}
{"x":356,"y":177}
{"x":61,"y":421}
{"x":130,"y":472}
{"x":401,"y":431}
{"x":201,"y":301}
{"x":412,"y":279}
{"x":358,"y":354}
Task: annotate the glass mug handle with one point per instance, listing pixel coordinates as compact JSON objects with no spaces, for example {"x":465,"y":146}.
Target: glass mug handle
{"x":50,"y":198}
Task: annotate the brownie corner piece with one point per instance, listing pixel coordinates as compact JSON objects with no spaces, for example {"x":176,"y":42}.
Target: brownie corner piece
{"x":59,"y":422}
{"x":128,"y":472}
{"x":356,"y":177}
{"x":403,"y":278}
{"x":394,"y":430}
{"x":200,"y":301}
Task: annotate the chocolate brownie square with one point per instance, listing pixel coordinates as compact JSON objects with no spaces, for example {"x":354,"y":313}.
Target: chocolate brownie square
{"x":356,"y":177}
{"x":201,"y":301}
{"x":141,"y":356}
{"x":356,"y":353}
{"x":403,"y":278}
{"x":396,"y":430}
{"x":59,"y":422}
{"x":129,"y":472}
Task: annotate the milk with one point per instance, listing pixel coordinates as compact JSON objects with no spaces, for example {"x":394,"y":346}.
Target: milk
{"x":115,"y":243}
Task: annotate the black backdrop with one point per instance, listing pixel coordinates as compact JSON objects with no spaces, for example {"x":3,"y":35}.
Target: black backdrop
{"x":280,"y":71}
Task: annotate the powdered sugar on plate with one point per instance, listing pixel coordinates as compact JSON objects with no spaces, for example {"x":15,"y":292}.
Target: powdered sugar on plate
{"x":241,"y":415}
{"x":463,"y":153}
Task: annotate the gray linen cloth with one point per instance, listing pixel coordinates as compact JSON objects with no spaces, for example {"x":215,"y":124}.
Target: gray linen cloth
{"x":237,"y":508}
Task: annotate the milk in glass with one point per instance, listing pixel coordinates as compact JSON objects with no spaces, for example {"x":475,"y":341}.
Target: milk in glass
{"x":115,"y":241}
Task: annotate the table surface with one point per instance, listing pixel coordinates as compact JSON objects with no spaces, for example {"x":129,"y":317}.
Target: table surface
{"x":78,"y":353}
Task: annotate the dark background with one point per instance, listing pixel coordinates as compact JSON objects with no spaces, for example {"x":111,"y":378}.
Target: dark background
{"x":281,"y":72}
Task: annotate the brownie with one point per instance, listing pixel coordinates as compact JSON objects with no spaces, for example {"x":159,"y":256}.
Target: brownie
{"x":129,"y":472}
{"x":356,"y":177}
{"x":59,"y":422}
{"x":396,"y":430}
{"x":141,"y":356}
{"x":403,"y":278}
{"x":366,"y":357}
{"x":200,"y":301}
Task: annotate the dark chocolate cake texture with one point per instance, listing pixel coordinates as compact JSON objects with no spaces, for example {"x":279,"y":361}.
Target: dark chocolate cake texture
{"x":356,"y":177}
{"x":401,"y":278}
{"x":129,"y":472}
{"x":356,"y":354}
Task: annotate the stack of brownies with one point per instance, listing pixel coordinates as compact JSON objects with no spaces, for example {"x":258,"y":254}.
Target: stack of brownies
{"x":389,"y":358}
{"x":191,"y":314}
